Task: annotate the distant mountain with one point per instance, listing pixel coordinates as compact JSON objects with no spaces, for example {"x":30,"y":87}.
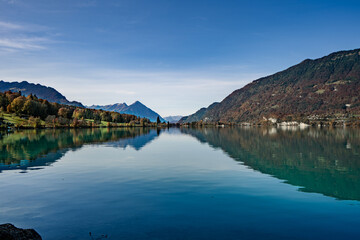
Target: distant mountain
{"x":328,"y":86}
{"x":137,"y":109}
{"x":40,"y":91}
{"x":173,"y":119}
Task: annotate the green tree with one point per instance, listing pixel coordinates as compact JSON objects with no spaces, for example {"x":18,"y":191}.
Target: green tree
{"x":29,"y":107}
{"x":158,"y":120}
{"x":105,"y":116}
{"x":4,"y":101}
{"x":97,"y":117}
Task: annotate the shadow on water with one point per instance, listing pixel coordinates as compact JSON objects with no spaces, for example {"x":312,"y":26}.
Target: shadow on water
{"x":33,"y":149}
{"x":325,"y":161}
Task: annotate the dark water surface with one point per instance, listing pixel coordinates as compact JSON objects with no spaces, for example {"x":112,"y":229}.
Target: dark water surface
{"x":210,"y":183}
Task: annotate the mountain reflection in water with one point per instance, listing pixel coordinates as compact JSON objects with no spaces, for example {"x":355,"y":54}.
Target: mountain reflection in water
{"x":31,"y":149}
{"x":325,"y":161}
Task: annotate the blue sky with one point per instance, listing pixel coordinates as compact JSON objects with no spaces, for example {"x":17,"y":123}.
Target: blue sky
{"x":174,"y":56}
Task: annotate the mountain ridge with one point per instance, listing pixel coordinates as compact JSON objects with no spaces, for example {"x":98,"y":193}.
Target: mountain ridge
{"x":137,"y":108}
{"x":41,"y":91}
{"x":322,"y":88}
{"x":52,"y":95}
{"x":198,"y":115}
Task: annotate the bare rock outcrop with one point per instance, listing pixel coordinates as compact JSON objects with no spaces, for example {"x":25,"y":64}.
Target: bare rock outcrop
{"x":10,"y":232}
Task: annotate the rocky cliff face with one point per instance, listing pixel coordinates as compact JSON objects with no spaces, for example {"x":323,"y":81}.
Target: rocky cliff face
{"x":10,"y":232}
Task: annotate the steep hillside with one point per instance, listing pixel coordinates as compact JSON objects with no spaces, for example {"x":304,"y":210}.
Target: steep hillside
{"x":137,"y":109}
{"x":329,"y":86}
{"x":40,"y":91}
{"x":199,"y":115}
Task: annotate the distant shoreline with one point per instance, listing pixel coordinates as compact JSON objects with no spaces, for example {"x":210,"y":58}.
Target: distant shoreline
{"x":276,"y":124}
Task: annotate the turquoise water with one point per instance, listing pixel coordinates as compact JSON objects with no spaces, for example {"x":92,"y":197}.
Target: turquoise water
{"x":227,"y":183}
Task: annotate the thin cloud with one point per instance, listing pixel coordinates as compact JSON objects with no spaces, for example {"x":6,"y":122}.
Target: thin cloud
{"x":23,"y":43}
{"x":18,"y":36}
{"x":7,"y":50}
{"x":11,"y":26}
{"x":10,"y":1}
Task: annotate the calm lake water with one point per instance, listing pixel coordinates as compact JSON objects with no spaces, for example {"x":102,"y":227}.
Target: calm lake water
{"x":227,"y":183}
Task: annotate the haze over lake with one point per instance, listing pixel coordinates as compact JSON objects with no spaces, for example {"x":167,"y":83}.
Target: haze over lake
{"x":182,"y":183}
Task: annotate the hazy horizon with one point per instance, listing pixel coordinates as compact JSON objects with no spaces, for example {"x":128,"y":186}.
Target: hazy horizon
{"x":174,"y":57}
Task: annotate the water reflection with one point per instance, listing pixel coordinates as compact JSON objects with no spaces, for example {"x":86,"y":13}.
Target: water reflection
{"x":29,"y":150}
{"x":319,"y":160}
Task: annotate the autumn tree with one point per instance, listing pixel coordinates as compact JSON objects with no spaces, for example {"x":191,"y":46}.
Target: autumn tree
{"x":17,"y":105}
{"x":116,"y":117}
{"x":50,"y":120}
{"x":35,"y":122}
{"x":63,"y":112}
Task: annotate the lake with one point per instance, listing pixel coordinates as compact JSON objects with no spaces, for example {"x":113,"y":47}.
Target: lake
{"x":182,"y":183}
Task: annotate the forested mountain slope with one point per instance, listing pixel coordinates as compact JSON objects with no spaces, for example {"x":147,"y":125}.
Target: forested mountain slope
{"x":328,"y":86}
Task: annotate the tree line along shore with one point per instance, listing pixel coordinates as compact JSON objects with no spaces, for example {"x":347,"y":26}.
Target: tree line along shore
{"x":22,"y":112}
{"x":312,"y":121}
